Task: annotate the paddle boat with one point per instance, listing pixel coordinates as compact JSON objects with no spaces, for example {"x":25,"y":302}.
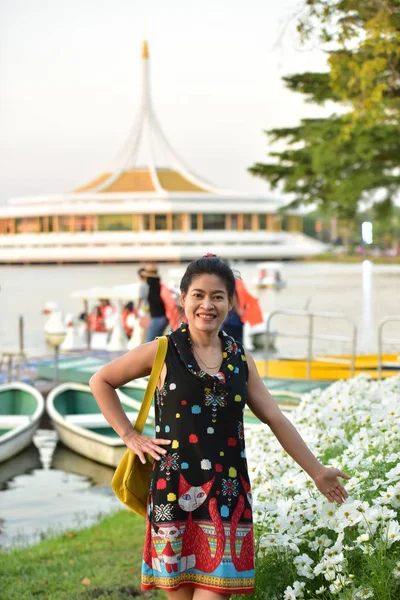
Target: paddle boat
{"x":21,"y":408}
{"x":269,"y":276}
{"x":82,"y":427}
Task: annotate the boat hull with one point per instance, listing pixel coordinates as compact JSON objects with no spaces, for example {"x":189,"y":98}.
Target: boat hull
{"x":17,"y":443}
{"x":21,"y":425}
{"x":81,"y":426}
{"x":95,"y":449}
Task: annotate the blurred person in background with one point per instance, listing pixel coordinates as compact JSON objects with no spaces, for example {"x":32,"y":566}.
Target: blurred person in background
{"x":158,"y":317}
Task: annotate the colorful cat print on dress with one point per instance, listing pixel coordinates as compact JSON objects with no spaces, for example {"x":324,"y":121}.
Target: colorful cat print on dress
{"x":196,"y":551}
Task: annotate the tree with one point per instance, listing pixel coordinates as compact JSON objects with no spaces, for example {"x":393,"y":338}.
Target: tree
{"x":350,"y":159}
{"x":365,"y":68}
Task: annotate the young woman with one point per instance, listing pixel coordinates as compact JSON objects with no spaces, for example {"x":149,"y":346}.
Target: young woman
{"x":199,"y":533}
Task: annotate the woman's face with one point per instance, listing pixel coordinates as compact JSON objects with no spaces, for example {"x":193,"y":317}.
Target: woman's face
{"x":206,"y":303}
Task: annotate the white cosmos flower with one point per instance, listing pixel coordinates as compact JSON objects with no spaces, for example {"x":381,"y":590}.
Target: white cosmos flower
{"x":393,"y":457}
{"x":394,"y":474}
{"x":368,"y":549}
{"x":321,"y":541}
{"x":376,"y":484}
{"x":330,"y":566}
{"x":291,"y":593}
{"x":336,"y":586}
{"x":391,"y":533}
{"x":362,"y":539}
{"x":327,"y":517}
{"x":390,"y":496}
{"x":361,"y":593}
{"x":303,"y":566}
{"x":291,"y":542}
{"x":270,"y":540}
{"x":377,"y":515}
{"x":396,"y":571}
{"x":283,"y":506}
{"x":348,"y":514}
{"x":294,"y":479}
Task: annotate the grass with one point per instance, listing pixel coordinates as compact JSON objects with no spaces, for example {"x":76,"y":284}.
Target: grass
{"x":274,"y":572}
{"x":101,"y":562}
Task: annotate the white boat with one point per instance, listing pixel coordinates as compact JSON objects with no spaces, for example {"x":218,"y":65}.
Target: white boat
{"x":142,"y":209}
{"x":21,"y":408}
{"x":269,"y":276}
{"x":82,"y":427}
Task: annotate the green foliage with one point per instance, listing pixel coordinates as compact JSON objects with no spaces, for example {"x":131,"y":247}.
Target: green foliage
{"x":274,"y":572}
{"x":365,"y":70}
{"x":325,"y":165}
{"x":345,"y":160}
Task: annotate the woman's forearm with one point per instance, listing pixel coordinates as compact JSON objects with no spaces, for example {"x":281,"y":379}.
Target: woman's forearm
{"x":110,"y":405}
{"x":294,"y":445}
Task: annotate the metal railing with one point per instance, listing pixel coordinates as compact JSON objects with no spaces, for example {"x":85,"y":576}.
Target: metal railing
{"x":310,"y":336}
{"x":388,"y":341}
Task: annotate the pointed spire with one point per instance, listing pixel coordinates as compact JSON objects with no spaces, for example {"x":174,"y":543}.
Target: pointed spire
{"x":145,"y":50}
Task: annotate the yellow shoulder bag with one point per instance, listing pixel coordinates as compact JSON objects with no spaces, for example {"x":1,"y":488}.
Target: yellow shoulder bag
{"x":131,"y":479}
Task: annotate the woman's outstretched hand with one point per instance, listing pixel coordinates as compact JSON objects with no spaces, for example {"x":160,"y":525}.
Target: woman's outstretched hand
{"x":140,"y":444}
{"x":329,"y":485}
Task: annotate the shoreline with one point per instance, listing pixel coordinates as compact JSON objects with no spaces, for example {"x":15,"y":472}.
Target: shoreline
{"x":378,"y":260}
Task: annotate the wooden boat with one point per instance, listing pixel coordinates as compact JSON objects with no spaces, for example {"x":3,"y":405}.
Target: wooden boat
{"x":82,"y":427}
{"x":21,"y":408}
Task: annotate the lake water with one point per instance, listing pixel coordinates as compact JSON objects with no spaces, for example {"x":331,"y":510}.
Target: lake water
{"x":47,"y":489}
{"x":365,"y":292}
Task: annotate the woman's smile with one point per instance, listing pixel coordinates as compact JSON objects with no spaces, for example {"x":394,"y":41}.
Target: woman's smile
{"x":206,"y":316}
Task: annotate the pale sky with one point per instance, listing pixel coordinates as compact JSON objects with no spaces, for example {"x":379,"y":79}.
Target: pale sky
{"x":70,"y":74}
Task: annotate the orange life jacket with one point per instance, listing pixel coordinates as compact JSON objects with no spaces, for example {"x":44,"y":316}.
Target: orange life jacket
{"x":249,"y":305}
{"x":96,"y":323}
{"x":172,"y":311}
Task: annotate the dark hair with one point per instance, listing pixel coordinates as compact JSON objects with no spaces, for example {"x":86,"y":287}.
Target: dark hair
{"x":141,"y":270}
{"x":211,"y":265}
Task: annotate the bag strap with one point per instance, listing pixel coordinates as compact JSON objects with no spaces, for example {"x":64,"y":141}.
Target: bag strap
{"x":151,"y":385}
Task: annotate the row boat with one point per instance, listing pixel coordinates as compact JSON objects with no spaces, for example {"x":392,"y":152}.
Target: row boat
{"x":21,"y":408}
{"x":82,"y":427}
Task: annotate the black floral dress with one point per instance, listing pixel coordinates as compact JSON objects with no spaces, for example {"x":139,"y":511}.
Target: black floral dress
{"x":199,"y":529}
